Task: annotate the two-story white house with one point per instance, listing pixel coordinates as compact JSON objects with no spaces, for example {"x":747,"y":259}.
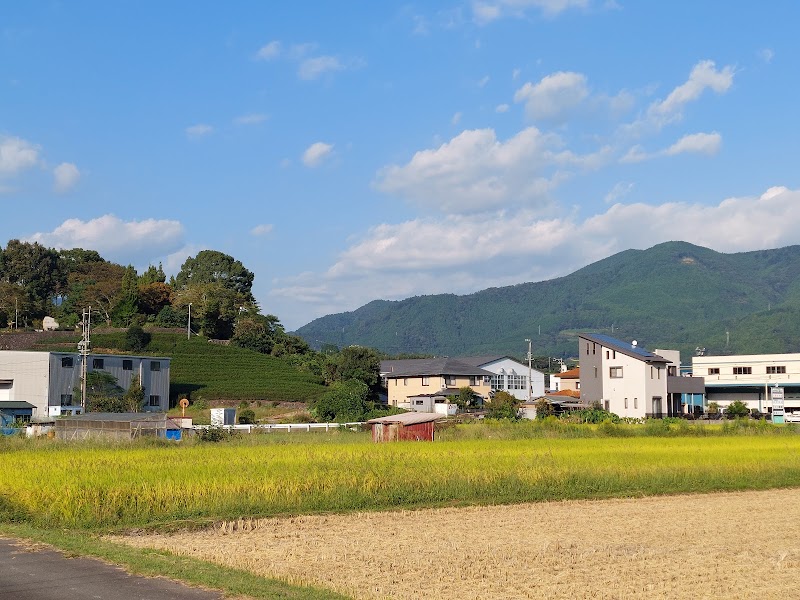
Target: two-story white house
{"x":632,"y":382}
{"x":749,"y":378}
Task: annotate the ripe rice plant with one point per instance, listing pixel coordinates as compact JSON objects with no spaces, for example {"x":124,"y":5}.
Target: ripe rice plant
{"x":99,"y":486}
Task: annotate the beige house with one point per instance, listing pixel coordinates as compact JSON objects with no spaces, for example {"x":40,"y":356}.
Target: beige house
{"x":566,"y":381}
{"x":410,"y":382}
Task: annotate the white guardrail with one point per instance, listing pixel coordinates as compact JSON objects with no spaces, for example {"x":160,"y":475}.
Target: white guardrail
{"x":288,"y":427}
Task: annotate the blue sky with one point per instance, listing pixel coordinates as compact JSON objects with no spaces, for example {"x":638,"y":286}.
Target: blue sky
{"x":346,"y":152}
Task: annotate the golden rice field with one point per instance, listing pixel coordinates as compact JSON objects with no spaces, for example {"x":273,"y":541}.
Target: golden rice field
{"x":106,"y":487}
{"x":742,"y":545}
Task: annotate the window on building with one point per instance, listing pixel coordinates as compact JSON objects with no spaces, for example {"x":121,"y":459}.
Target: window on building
{"x":713,"y":371}
{"x":498,"y":382}
{"x":155,"y":401}
{"x":587,"y":347}
{"x":775,"y":370}
{"x":426,"y":381}
{"x":651,"y":372}
{"x":613,"y":355}
{"x":742,"y":370}
{"x":155,"y":365}
{"x":450,"y":379}
{"x":594,"y":348}
{"x":419,"y":402}
{"x":405,"y":380}
{"x":97,"y":363}
{"x":672,"y":371}
{"x":658,"y":373}
{"x":608,"y":354}
{"x":66,"y":399}
{"x":626,"y":403}
{"x":127,"y":364}
{"x":517,"y":382}
{"x":615,"y":372}
{"x":473,"y":380}
{"x":607,"y":404}
{"x":595,"y":372}
{"x":577,"y":385}
{"x":66,"y":362}
{"x":635,"y":403}
{"x":487,"y":380}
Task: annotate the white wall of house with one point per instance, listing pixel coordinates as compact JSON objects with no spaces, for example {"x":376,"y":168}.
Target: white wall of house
{"x":515,"y":374}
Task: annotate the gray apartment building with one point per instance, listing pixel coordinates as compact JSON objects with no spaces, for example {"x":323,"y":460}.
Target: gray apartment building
{"x":49,"y":380}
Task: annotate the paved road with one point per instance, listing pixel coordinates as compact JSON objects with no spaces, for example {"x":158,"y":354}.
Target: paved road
{"x":49,"y":575}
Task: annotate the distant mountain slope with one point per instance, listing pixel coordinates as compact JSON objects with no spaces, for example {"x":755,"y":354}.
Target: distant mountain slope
{"x":674,"y":295}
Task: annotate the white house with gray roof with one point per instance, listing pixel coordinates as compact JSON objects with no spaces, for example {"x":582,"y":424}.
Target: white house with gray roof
{"x":510,"y":375}
{"x":632,"y":382}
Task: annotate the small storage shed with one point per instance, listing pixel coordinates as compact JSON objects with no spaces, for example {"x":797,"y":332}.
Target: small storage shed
{"x":11,"y":410}
{"x":117,"y":426}
{"x":412,"y":426}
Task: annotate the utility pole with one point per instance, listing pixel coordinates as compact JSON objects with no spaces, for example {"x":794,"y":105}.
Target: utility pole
{"x":83,"y":347}
{"x":189,"y":323}
{"x":530,"y":383}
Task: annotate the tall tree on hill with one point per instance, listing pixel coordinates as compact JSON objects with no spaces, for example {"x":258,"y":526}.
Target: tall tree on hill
{"x":211,"y":266}
{"x":127,"y":304}
{"x":39,"y":271}
{"x":152,"y":275}
{"x":214,"y":306}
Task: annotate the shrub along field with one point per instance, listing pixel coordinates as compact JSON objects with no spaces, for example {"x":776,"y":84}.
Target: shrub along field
{"x":96,"y":486}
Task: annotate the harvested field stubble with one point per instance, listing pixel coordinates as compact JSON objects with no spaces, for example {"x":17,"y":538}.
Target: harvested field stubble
{"x":727,"y":545}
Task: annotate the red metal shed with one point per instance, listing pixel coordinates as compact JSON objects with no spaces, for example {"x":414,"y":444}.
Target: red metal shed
{"x":412,"y":426}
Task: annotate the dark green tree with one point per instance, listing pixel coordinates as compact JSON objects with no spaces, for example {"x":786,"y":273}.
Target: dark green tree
{"x":152,"y":275}
{"x":355,"y":362}
{"x":465,"y":398}
{"x":346,"y":401}
{"x":133,"y":399}
{"x":257,"y":332}
{"x":136,"y":339}
{"x":211,"y":266}
{"x":37,"y":270}
{"x":503,"y":406}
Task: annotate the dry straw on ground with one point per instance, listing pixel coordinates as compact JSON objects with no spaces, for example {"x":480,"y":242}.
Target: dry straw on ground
{"x":728,"y":545}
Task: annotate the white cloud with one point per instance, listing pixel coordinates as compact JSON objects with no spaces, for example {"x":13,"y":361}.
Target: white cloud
{"x":704,"y":75}
{"x":456,"y":118}
{"x":620,"y":190}
{"x":475,"y":171}
{"x":316,"y":153}
{"x":484,"y":12}
{"x":115,"y":239}
{"x":17,"y":155}
{"x":696,"y":143}
{"x":197,"y":131}
{"x":250,"y":119}
{"x":483,"y":81}
{"x":66,"y":177}
{"x":463,"y":254}
{"x":766,"y":54}
{"x":262,"y":229}
{"x":313,"y":68}
{"x":501,"y":108}
{"x":554,"y":97}
{"x":269,"y":51}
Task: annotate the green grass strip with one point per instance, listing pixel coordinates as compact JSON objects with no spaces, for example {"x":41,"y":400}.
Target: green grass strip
{"x":156,"y":563}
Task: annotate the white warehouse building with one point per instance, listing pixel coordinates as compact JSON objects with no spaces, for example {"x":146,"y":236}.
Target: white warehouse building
{"x":749,"y":377}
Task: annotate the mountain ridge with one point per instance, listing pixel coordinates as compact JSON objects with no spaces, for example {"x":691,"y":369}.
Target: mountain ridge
{"x":674,"y":294}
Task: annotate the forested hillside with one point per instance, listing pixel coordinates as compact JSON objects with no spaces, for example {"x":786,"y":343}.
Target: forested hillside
{"x":674,"y":295}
